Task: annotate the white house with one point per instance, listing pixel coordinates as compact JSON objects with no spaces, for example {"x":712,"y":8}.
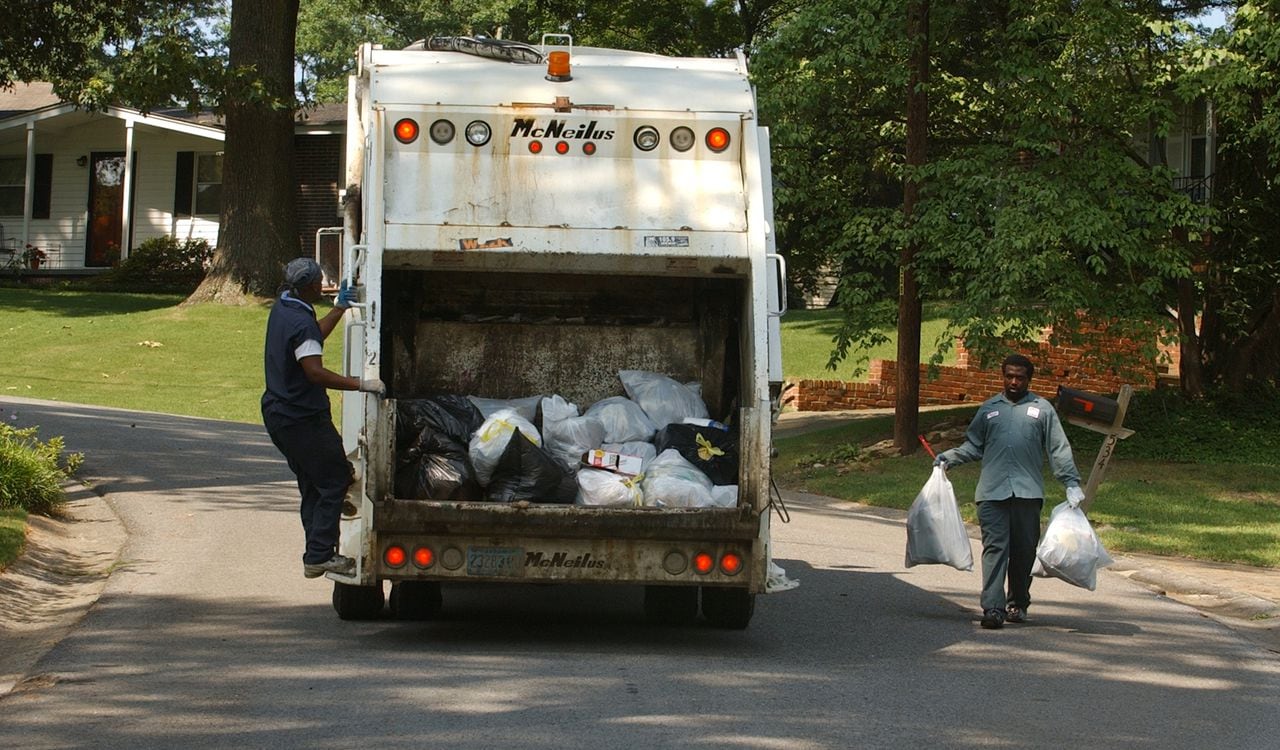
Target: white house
{"x":67,"y":188}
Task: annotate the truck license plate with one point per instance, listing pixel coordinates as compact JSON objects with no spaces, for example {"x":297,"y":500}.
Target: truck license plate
{"x":495,"y":561}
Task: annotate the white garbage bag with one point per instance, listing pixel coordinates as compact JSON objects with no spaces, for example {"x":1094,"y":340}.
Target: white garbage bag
{"x":638,"y":448}
{"x":623,"y":419}
{"x":663,"y":399}
{"x":526,"y":407}
{"x":488,"y":442}
{"x":935,"y":530}
{"x":672,"y":482}
{"x":568,"y":435}
{"x":1070,"y":549}
{"x":724,"y":495}
{"x":605,"y":488}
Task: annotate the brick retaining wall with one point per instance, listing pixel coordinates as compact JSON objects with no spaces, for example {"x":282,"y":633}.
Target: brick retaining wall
{"x":966,"y":384}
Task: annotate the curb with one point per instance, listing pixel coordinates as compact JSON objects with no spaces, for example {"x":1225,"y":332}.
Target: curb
{"x":56,"y":581}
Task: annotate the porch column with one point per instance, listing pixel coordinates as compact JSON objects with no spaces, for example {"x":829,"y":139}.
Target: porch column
{"x":29,"y":194}
{"x":125,"y":244}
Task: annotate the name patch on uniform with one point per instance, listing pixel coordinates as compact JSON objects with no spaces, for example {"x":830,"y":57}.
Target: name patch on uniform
{"x":992,"y":414}
{"x":1033,"y":412}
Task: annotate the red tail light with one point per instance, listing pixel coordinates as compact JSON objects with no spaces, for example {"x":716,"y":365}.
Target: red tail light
{"x":535,"y":147}
{"x":406,"y":131}
{"x":717,"y":139}
{"x":703,"y":563}
{"x":731,"y":563}
{"x":562,"y":147}
{"x":423,"y":557}
{"x":394,"y":556}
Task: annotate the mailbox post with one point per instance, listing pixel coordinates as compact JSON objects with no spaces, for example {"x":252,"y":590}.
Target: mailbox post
{"x":1100,"y":414}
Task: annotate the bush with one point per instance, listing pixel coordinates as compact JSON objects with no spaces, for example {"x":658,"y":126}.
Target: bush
{"x":31,"y":472}
{"x":161,"y":264}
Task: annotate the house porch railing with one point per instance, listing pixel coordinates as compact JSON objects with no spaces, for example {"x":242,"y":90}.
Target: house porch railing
{"x":1197,"y":189}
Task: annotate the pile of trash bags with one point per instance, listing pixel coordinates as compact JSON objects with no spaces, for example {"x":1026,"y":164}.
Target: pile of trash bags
{"x":654,"y":447}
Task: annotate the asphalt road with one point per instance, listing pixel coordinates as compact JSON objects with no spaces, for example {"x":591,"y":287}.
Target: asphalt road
{"x":207,"y":635}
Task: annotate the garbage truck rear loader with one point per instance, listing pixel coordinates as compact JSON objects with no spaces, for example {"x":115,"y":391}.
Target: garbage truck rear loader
{"x":526,"y":221}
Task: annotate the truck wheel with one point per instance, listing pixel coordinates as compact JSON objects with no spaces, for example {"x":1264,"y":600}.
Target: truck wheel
{"x":415,"y":600}
{"x":357,"y":602}
{"x":671,"y":605}
{"x":728,"y":608}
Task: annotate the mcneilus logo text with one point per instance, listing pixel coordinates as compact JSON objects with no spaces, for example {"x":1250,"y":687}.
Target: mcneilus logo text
{"x":526,"y":127}
{"x":562,"y":560}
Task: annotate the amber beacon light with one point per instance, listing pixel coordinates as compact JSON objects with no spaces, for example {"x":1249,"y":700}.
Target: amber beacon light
{"x":558,"y":66}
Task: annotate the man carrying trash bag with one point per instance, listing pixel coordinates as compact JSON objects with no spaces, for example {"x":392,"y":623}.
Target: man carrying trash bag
{"x":1010,"y":434}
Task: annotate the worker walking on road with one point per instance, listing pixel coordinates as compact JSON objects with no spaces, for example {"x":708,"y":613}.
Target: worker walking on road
{"x":1011,"y":433}
{"x":296,"y":412}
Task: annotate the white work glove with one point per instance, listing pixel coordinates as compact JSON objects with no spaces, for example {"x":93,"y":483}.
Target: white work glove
{"x":1075,"y":496}
{"x":374,"y":386}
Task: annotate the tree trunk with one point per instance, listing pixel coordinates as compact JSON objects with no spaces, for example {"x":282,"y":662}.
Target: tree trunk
{"x":1190,"y":371}
{"x":259,"y":225}
{"x":907,"y":404}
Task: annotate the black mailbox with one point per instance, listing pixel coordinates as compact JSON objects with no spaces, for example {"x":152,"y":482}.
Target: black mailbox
{"x":1089,"y":407}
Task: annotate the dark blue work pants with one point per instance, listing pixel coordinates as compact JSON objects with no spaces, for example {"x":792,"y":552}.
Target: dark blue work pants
{"x":313,"y":449}
{"x":1010,"y":533}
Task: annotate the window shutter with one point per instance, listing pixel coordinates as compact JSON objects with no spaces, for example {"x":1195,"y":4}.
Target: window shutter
{"x":44,"y":186}
{"x":182,"y":183}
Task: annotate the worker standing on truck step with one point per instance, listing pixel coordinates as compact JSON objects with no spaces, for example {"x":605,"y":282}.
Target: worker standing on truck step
{"x":296,"y":412}
{"x":1011,"y":433}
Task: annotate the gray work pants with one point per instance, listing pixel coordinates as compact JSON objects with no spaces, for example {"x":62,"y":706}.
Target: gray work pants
{"x":1010,"y":533}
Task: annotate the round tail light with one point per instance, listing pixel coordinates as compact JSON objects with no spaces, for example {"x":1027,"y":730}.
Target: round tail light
{"x":717,"y":139}
{"x":406,"y":130}
{"x":394,"y":556}
{"x":703,"y":563}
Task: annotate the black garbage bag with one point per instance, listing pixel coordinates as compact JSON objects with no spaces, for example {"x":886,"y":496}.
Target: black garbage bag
{"x":438,"y":476}
{"x":431,"y":448}
{"x":711,"y":449}
{"x":435,"y":424}
{"x":529,"y":472}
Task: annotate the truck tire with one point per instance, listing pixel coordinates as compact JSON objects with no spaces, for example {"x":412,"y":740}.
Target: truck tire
{"x":357,"y":602}
{"x":730,"y":609}
{"x":671,"y":605}
{"x":415,"y":600}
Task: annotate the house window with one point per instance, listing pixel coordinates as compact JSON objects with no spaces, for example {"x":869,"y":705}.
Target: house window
{"x":208,"y":184}
{"x":1199,"y":139}
{"x":13,"y":184}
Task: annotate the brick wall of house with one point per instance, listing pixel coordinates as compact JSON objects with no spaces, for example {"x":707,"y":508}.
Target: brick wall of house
{"x":319,"y":159}
{"x":965,"y":383}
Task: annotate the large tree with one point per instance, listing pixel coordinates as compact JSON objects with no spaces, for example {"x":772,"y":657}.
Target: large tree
{"x":259,"y":221}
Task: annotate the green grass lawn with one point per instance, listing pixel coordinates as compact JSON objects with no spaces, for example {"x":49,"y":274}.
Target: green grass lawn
{"x":137,"y":351}
{"x":807,"y":343}
{"x":1229,"y":512}
{"x":13,"y":534}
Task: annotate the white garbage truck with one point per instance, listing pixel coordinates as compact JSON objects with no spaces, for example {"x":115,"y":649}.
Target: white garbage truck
{"x":524,"y":220}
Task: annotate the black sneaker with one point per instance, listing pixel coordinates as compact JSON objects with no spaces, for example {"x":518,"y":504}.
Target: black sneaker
{"x":1016,"y":614}
{"x":336,"y":564}
{"x":993,"y":619}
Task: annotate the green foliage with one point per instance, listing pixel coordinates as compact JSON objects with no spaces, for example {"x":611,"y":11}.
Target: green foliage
{"x":807,"y":337}
{"x":161,"y":264}
{"x":144,"y":53}
{"x":1035,"y":206}
{"x":31,"y":471}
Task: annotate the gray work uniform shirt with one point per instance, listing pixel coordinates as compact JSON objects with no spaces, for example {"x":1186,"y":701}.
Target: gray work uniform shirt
{"x":1012,"y":440}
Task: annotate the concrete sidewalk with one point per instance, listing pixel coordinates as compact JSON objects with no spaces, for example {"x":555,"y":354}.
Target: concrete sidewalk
{"x":1243,"y":597}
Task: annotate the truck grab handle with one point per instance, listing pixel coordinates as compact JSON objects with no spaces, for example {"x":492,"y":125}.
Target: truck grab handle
{"x":782,"y":282}
{"x":349,"y":268}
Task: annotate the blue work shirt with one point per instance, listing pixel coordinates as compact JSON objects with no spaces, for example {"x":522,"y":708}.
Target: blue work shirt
{"x":1012,"y":440}
{"x":292,"y":333}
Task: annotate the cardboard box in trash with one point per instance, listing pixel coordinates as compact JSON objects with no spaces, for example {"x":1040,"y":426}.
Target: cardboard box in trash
{"x":615,"y":462}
